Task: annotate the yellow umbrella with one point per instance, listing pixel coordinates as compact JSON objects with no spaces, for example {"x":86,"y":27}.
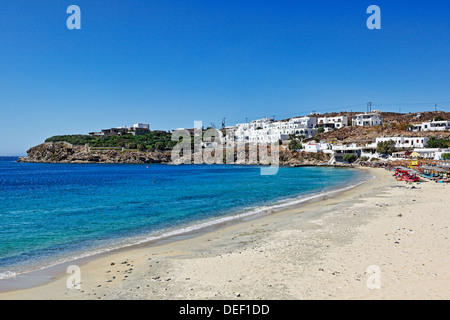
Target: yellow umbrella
{"x":414,"y":162}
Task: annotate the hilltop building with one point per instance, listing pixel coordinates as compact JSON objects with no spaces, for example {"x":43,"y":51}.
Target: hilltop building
{"x":136,"y":130}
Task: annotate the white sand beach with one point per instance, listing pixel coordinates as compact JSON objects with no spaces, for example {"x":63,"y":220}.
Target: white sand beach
{"x":320,"y":250}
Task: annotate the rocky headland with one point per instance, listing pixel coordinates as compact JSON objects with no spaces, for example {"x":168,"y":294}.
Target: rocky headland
{"x":61,"y":152}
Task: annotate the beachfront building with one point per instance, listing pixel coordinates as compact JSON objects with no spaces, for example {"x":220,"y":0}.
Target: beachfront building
{"x":367,"y":119}
{"x":370,"y":149}
{"x":330,"y":123}
{"x":431,"y":126}
{"x":316,"y":147}
{"x":425,"y":153}
{"x":402,"y":142}
{"x":338,"y":152}
{"x":432,"y":153}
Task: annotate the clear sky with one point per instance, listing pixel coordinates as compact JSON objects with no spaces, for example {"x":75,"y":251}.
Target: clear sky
{"x":169,"y":63}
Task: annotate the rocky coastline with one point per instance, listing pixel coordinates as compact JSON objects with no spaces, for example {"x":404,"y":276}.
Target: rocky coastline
{"x":61,"y":152}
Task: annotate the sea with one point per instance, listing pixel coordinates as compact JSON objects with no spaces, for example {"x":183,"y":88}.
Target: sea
{"x":55,"y":213}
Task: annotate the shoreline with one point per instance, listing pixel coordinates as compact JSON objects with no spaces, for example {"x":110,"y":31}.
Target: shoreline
{"x":318,"y":251}
{"x":335,"y":165}
{"x":42,"y":275}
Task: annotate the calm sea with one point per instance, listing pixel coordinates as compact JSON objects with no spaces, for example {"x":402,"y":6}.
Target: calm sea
{"x":51,"y":213}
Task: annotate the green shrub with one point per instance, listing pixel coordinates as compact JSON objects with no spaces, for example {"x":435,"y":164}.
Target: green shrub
{"x":436,"y":143}
{"x":148,"y":140}
{"x":294,"y":144}
{"x":141,"y":147}
{"x":386,"y":147}
{"x":350,"y":157}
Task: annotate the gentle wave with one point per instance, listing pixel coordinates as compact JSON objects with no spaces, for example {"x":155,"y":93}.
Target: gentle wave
{"x":7,"y":275}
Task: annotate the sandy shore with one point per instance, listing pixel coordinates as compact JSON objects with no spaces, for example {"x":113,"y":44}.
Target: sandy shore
{"x":318,"y":251}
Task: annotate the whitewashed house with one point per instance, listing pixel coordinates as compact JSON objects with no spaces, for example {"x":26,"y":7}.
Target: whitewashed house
{"x":367,"y":119}
{"x":403,"y":142}
{"x":370,"y":150}
{"x":268,"y":131}
{"x":338,"y":152}
{"x":431,"y":126}
{"x":424,"y":153}
{"x":316,"y":147}
{"x":432,"y":153}
{"x":330,"y":123}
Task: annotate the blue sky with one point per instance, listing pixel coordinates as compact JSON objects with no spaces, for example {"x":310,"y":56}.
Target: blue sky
{"x":169,"y":63}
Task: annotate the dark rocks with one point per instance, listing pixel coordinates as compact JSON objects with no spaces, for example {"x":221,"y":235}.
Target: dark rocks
{"x":60,"y":152}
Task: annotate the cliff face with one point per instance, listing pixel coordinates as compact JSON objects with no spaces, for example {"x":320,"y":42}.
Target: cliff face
{"x":66,"y":153}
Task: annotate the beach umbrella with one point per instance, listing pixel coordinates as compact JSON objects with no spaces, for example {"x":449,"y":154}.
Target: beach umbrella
{"x":414,"y":161}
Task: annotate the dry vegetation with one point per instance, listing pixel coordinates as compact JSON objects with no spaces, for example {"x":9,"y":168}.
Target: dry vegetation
{"x":394,"y":124}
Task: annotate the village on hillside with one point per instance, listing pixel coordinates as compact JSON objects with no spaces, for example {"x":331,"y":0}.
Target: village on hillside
{"x":340,"y":138}
{"x":348,"y":136}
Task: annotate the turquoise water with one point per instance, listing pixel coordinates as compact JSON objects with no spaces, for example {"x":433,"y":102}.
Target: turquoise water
{"x":50,"y":213}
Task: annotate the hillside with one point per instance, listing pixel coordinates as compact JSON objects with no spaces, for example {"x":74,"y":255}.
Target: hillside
{"x":155,"y":146}
{"x":394,"y":124}
{"x":154,"y":140}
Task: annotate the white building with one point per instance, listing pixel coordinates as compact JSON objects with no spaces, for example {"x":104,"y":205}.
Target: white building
{"x":367,"y":119}
{"x":316,"y":147}
{"x":141,"y":126}
{"x":298,"y":126}
{"x":432,"y":153}
{"x":339,"y":151}
{"x":402,"y":142}
{"x":431,"y":126}
{"x":424,"y":153}
{"x":439,"y":155}
{"x":267,"y":131}
{"x":330,"y":123}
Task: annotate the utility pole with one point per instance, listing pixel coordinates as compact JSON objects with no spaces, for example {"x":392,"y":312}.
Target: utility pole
{"x":246,"y":120}
{"x":223,"y":123}
{"x":369,"y":107}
